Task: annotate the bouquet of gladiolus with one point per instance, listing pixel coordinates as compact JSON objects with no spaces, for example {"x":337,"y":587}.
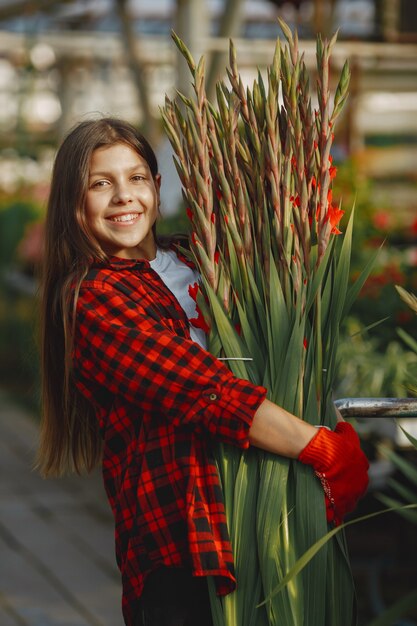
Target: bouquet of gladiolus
{"x":256,"y":178}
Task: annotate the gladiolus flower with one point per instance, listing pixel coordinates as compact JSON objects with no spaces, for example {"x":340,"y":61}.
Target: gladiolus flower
{"x":193,"y":291}
{"x":199,"y":321}
{"x":262,"y":199}
{"x":334,"y":215}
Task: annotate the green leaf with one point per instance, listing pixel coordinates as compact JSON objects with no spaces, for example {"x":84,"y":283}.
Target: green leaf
{"x":408,"y":469}
{"x":311,"y":552}
{"x":364,"y":330}
{"x":243,"y":532}
{"x":410,"y":437}
{"x":277,"y":321}
{"x":216,"y":604}
{"x":410,"y":341}
{"x":341,"y":278}
{"x":408,"y":495}
{"x":354,"y":290}
{"x":230,"y":340}
{"x":388,"y":617}
{"x":410,"y":516}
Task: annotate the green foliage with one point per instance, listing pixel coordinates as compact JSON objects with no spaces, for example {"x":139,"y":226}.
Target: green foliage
{"x":403,"y":492}
{"x":377,"y":226}
{"x":174,"y":224}
{"x":15,"y":215}
{"x":19,"y":372}
{"x":371,"y":367}
{"x":257,"y":179}
{"x":18,"y":355}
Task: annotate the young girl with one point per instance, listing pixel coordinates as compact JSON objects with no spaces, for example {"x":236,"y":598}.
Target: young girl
{"x":127,"y":382}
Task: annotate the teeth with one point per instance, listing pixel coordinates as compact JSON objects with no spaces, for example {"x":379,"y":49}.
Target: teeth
{"x":124,"y":218}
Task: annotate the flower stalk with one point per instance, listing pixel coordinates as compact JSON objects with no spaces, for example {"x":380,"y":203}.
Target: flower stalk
{"x":257,"y":178}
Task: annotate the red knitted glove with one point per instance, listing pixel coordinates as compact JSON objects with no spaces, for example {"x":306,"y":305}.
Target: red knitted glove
{"x":341,"y":466}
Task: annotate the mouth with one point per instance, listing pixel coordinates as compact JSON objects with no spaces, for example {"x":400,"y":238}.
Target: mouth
{"x":125,"y":217}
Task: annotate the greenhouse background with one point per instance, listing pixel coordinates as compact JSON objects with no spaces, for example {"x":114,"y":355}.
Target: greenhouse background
{"x":64,"y":61}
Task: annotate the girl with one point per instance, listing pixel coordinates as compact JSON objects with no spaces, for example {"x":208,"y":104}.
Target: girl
{"x":127,"y":382}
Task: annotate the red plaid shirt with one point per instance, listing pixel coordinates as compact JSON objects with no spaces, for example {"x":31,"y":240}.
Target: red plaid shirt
{"x":160,"y":400}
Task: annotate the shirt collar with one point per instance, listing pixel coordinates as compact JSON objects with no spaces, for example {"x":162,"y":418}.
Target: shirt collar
{"x":117,"y":263}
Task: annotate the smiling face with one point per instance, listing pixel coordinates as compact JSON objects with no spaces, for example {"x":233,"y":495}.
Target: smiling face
{"x":122,"y":202}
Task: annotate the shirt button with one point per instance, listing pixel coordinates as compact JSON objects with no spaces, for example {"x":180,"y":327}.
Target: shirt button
{"x":213,"y":396}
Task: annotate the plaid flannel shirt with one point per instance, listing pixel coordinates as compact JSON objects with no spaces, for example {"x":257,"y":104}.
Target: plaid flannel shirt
{"x":160,"y":400}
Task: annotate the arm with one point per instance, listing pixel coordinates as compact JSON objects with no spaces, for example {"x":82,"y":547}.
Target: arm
{"x":275,"y":430}
{"x":122,"y":348}
{"x":335,"y":456}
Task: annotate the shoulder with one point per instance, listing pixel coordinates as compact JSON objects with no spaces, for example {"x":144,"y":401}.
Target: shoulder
{"x":127,"y":281}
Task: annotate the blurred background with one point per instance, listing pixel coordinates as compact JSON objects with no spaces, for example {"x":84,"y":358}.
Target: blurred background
{"x":63,"y":61}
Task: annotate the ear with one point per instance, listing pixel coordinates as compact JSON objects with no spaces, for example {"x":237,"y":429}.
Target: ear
{"x":157,"y":183}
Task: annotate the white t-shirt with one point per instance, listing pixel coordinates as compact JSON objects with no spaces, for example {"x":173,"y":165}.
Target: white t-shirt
{"x":177,"y":276}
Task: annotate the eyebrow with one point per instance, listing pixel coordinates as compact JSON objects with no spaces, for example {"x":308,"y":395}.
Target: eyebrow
{"x":139,"y":167}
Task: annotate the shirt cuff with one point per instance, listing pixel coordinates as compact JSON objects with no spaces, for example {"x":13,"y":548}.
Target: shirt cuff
{"x":227,"y":411}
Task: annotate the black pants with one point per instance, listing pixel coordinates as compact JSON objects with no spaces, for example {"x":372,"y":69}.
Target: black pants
{"x":173,"y":597}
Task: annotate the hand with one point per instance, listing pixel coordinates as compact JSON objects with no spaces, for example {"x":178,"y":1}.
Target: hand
{"x":341,"y":466}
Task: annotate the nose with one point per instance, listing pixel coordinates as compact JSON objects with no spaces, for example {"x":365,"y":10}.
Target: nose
{"x":122,"y":195}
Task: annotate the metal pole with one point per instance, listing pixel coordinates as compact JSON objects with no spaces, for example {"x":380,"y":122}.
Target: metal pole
{"x":192,"y":25}
{"x":377,"y":407}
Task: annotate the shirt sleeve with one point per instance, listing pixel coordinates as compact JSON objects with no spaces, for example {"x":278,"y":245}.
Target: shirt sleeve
{"x":124,"y":350}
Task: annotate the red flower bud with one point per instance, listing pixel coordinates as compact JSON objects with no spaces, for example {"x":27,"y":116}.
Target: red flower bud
{"x":199,"y":321}
{"x":193,"y":291}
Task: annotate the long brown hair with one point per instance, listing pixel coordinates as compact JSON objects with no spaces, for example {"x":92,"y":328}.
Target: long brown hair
{"x":69,"y":437}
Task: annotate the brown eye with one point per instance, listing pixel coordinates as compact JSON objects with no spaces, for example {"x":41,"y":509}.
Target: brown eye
{"x":99,"y":183}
